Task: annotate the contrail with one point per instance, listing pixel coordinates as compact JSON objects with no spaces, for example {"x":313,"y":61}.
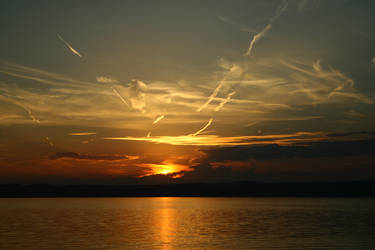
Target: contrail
{"x":279,"y":11}
{"x":106,"y":79}
{"x":256,"y":38}
{"x":83,"y":133}
{"x":241,"y":26}
{"x":204,"y":128}
{"x":21,"y":105}
{"x":158,"y":119}
{"x":212,"y":96}
{"x":31,"y":115}
{"x":68,"y":45}
{"x":223,"y":102}
{"x":122,"y":99}
{"x":50,"y":143}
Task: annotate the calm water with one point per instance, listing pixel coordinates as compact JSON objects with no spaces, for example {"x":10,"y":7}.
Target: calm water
{"x":190,"y":223}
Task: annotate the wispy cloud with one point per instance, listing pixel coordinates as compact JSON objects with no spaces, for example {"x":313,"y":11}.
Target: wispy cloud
{"x":137,"y":95}
{"x":320,"y":85}
{"x":49,"y":142}
{"x":226,"y":20}
{"x":158,"y":119}
{"x":267,"y":91}
{"x":134,"y":93}
{"x":242,"y":27}
{"x":279,"y":11}
{"x":306,"y":5}
{"x":256,"y":38}
{"x":42,"y":76}
{"x":69,"y":46}
{"x":20,"y":104}
{"x":212,"y":96}
{"x":204,"y":128}
{"x":214,"y":140}
{"x":31,"y":115}
{"x":121,"y":98}
{"x":106,"y":79}
{"x":301,"y":5}
{"x":233,"y":70}
{"x":82,"y":133}
{"x":224,"y":101}
{"x":74,"y":155}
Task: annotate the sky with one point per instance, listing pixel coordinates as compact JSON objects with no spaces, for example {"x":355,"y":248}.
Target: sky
{"x":145,"y":92}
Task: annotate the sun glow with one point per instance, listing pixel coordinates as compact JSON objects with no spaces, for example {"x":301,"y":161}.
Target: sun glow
{"x":214,"y":140}
{"x":167,"y":168}
{"x":163,"y":169}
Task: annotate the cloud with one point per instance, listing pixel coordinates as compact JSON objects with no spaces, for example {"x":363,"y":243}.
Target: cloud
{"x":134,"y":95}
{"x":242,"y":27}
{"x":301,"y":5}
{"x":32,"y":116}
{"x":226,"y":20}
{"x":82,"y":133}
{"x":121,"y":98}
{"x":50,"y":143}
{"x":158,"y":119}
{"x":353,"y":134}
{"x":69,"y":46}
{"x":266,"y":91}
{"x":224,"y":101}
{"x":324,"y":148}
{"x":320,"y":85}
{"x":42,"y":76}
{"x":280,"y":10}
{"x":319,"y":169}
{"x":204,"y":128}
{"x":74,"y":155}
{"x":106,"y":79}
{"x":137,"y":94}
{"x":233,"y":71}
{"x":306,"y":5}
{"x":214,"y":140}
{"x":256,"y":38}
{"x":316,"y":161}
{"x":109,"y":80}
{"x":20,"y":104}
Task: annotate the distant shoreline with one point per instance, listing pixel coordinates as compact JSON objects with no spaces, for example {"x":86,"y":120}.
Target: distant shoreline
{"x":234,"y":189}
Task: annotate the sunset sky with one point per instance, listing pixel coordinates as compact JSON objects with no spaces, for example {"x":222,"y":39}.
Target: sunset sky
{"x":139,"y":92}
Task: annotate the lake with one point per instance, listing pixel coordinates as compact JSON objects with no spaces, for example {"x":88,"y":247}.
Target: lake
{"x":187,"y":223}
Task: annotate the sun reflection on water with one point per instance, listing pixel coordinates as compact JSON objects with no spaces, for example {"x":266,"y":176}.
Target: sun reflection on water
{"x":165,"y":218}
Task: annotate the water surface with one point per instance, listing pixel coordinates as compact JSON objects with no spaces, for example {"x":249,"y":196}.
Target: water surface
{"x":190,"y":223}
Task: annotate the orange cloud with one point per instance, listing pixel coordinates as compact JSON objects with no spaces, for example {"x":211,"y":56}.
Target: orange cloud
{"x":214,"y":140}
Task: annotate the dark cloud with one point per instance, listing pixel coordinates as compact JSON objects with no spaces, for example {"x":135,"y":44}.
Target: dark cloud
{"x":274,"y":151}
{"x":87,"y":157}
{"x":318,"y":161}
{"x":365,"y":133}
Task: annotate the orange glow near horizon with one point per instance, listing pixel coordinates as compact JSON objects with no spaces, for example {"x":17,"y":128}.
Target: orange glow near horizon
{"x":214,"y":140}
{"x":167,"y":168}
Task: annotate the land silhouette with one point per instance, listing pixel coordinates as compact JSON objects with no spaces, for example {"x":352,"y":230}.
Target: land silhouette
{"x":233,"y":189}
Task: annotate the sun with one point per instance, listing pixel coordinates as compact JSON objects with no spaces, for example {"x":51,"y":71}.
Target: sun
{"x":167,"y":168}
